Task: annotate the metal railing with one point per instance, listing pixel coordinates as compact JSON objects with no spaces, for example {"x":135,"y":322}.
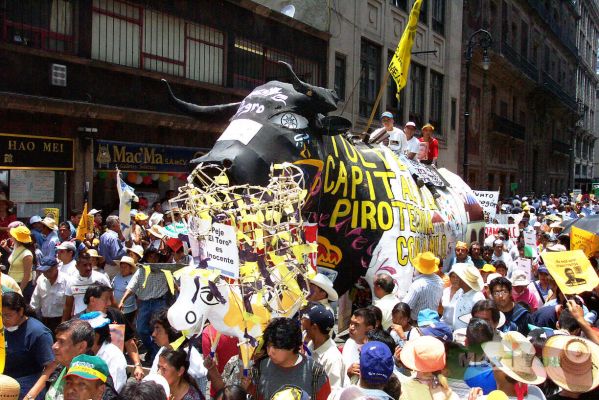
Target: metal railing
{"x":519,"y":61}
{"x":559,"y":92}
{"x":554,"y":25}
{"x":508,"y":127}
{"x":560,"y":147}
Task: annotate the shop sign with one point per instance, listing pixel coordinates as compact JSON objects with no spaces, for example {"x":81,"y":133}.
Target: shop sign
{"x":141,"y":157}
{"x":36,"y":152}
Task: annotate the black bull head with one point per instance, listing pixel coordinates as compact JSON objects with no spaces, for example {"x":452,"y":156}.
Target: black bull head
{"x":354,"y":196}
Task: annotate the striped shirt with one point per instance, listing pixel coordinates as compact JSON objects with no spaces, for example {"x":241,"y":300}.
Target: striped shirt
{"x":425,"y":292}
{"x":156,"y":285}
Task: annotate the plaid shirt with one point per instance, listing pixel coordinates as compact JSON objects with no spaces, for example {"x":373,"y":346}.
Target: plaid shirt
{"x":156,"y":285}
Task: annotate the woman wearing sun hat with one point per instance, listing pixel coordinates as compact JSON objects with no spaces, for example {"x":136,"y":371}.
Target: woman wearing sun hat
{"x":22,"y":259}
{"x":425,"y":356}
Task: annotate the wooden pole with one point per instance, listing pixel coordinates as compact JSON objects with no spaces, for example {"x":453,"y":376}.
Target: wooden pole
{"x":377,"y":101}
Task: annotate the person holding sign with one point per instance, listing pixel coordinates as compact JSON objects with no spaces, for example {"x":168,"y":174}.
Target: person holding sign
{"x":429,"y":146}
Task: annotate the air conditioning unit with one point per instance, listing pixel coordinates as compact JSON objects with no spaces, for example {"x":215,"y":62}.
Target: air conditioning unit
{"x":58,"y":75}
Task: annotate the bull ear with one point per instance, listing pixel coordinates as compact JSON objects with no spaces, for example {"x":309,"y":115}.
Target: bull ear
{"x":332,"y":125}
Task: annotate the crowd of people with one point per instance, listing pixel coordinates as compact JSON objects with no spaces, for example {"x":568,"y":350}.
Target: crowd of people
{"x":83,"y":320}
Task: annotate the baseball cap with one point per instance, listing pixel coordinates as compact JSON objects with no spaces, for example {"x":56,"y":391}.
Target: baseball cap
{"x":94,"y":211}
{"x":35,"y":219}
{"x":89,"y":367}
{"x":319,"y":315}
{"x":96,"y":319}
{"x":174,"y":244}
{"x":46,"y":264}
{"x":542,"y":270}
{"x":411,"y":124}
{"x":427,"y":317}
{"x":376,"y":362}
{"x":386,"y":114}
{"x":66,"y":245}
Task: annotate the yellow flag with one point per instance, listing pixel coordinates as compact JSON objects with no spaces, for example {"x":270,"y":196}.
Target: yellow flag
{"x":584,"y":240}
{"x":400,"y":63}
{"x":84,"y":226}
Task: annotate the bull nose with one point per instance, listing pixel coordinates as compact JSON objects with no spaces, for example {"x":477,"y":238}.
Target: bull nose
{"x":227,"y":163}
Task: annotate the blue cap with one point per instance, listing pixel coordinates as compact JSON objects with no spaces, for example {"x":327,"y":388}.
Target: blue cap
{"x":319,"y":315}
{"x":439,"y":330}
{"x":376,"y":362}
{"x":427,"y":317}
{"x":542,"y":270}
{"x":46,"y":264}
{"x":386,"y":114}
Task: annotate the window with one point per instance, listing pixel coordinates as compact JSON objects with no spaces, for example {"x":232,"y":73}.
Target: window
{"x":547,"y":61}
{"x":370,"y":62}
{"x":340,"y":68}
{"x":438,"y":16}
{"x":504,"y":22}
{"x":436,"y":101}
{"x":454,"y":103}
{"x":403,"y":4}
{"x":423,"y":17}
{"x":41,"y":24}
{"x":524,"y":40}
{"x":417,"y":73}
{"x":503,"y":109}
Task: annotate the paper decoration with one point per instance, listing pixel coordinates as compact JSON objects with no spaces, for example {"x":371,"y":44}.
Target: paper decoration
{"x":488,"y":201}
{"x":221,"y":250}
{"x":571,"y":270}
{"x":584,"y":240}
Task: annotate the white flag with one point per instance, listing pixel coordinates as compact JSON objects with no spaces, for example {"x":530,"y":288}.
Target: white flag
{"x":126,"y":197}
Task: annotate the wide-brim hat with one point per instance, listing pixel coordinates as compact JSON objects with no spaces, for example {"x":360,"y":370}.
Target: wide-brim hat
{"x":157,"y":231}
{"x":426,"y":263}
{"x":49,"y":223}
{"x":516,"y":357}
{"x":424,"y":354}
{"x":94,"y":253}
{"x":571,"y":362}
{"x":467,"y":317}
{"x":325,"y":284}
{"x":469,"y":274}
{"x":3,"y":198}
{"x":128,"y":260}
{"x":137,"y":249}
{"x":9,"y":388}
{"x":21,"y":233}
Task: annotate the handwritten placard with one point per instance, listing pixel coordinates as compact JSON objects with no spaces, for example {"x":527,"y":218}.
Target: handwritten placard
{"x":488,"y":201}
{"x":221,"y":250}
{"x":493,"y":229}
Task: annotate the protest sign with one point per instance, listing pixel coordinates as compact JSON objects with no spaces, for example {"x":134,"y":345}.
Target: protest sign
{"x":523,"y":265}
{"x":584,"y":240}
{"x":222,"y":251}
{"x":488,"y":201}
{"x":503,"y":219}
{"x":530,"y":238}
{"x":492,"y":229}
{"x":571,"y":270}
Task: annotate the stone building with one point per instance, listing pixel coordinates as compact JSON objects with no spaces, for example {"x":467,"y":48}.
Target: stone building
{"x":523,"y":110}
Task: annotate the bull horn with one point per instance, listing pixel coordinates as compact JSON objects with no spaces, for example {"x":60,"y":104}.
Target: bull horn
{"x":327,"y":97}
{"x":194,"y":109}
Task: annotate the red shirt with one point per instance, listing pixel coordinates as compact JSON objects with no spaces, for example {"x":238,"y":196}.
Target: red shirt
{"x":4,"y":222}
{"x":433,"y":148}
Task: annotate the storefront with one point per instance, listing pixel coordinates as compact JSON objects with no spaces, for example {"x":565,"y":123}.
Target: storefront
{"x":151,"y":169}
{"x":33,"y":173}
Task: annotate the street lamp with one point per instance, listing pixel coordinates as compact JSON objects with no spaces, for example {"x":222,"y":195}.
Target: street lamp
{"x":483,"y":39}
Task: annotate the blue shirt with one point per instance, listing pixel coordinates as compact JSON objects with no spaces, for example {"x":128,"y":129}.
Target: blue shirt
{"x":49,"y":245}
{"x":39,"y":238}
{"x":480,"y":375}
{"x":111,"y":248}
{"x":119,"y":284}
{"x":28,"y":349}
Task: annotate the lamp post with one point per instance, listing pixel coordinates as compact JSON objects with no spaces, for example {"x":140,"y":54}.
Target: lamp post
{"x":483,"y":39}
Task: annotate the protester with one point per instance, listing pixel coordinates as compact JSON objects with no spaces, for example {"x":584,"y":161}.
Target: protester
{"x":119,"y":283}
{"x":86,"y":378}
{"x":501,"y":290}
{"x":322,"y":291}
{"x":49,"y":296}
{"x":22,"y":259}
{"x":362,"y":321}
{"x":476,"y":255}
{"x":402,"y":330}
{"x":51,"y":241}
{"x":521,"y":293}
{"x":413,"y":146}
{"x":146,"y":390}
{"x":427,"y":288}
{"x":471,"y":285}
{"x":429,"y":146}
{"x":385,"y":298}
{"x":389,"y":135}
{"x":112,"y":245}
{"x":66,"y":255}
{"x":6,"y":217}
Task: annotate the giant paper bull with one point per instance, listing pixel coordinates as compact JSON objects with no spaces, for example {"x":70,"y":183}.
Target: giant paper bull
{"x":375,"y":211}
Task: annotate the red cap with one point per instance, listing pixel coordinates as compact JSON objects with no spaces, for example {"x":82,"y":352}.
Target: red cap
{"x":174,"y":244}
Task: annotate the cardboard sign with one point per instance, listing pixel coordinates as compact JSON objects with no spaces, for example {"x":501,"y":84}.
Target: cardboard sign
{"x":488,"y":200}
{"x":524,"y":265}
{"x":530,"y":238}
{"x":584,"y":240}
{"x":221,"y":249}
{"x":493,"y":229}
{"x":571,"y":270}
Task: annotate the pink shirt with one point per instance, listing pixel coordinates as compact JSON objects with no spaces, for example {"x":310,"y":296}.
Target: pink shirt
{"x":526,"y":297}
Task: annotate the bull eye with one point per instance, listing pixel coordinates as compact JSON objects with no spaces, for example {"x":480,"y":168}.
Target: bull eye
{"x":207,"y":297}
{"x":290,"y":120}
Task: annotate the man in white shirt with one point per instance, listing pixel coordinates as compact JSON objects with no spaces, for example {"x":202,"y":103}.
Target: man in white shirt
{"x":413,"y":142}
{"x":65,"y":252}
{"x":78,"y":284}
{"x":317,"y":322}
{"x":471,"y":283}
{"x":362,"y":321}
{"x":322,"y":291}
{"x":385,"y":299}
{"x":395,"y":136}
{"x":49,"y":295}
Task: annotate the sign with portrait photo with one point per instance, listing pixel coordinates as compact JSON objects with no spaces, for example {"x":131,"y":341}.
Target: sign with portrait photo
{"x":571,"y":270}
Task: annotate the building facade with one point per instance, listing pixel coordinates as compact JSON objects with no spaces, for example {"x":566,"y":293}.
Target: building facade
{"x":523,"y":110}
{"x":81,"y":91}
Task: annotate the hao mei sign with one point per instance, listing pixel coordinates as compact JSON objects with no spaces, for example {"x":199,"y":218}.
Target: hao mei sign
{"x":36,"y":152}
{"x":143,"y":157}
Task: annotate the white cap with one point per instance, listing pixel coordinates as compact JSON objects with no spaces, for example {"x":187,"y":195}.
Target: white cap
{"x":93,"y":211}
{"x":34,"y":219}
{"x":411,"y":124}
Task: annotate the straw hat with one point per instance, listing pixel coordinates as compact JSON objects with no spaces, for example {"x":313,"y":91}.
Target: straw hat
{"x":21,"y":234}
{"x":571,"y":362}
{"x":469,"y":274}
{"x":515,"y":356}
{"x":137,"y":249}
{"x":9,"y":388}
{"x":94,"y":253}
{"x":325,"y":284}
{"x":519,"y":278}
{"x":423,"y":354}
{"x":3,"y":198}
{"x":128,"y":260}
{"x":141,"y":216}
{"x":50,"y":223}
{"x":157,"y":231}
{"x":461,"y":245}
{"x":426,"y":263}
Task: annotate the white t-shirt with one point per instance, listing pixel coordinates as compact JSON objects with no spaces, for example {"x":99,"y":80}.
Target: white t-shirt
{"x":69,"y":269}
{"x":413,"y":146}
{"x":77,"y":285}
{"x":117,"y":364}
{"x":397,"y":141}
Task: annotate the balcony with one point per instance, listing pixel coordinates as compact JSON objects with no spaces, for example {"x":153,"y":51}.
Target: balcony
{"x":519,"y":62}
{"x":557,"y":90}
{"x":508,"y":127}
{"x":560,"y":147}
{"x":553,"y":25}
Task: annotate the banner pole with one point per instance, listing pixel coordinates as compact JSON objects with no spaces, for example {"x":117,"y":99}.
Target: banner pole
{"x":377,"y":101}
